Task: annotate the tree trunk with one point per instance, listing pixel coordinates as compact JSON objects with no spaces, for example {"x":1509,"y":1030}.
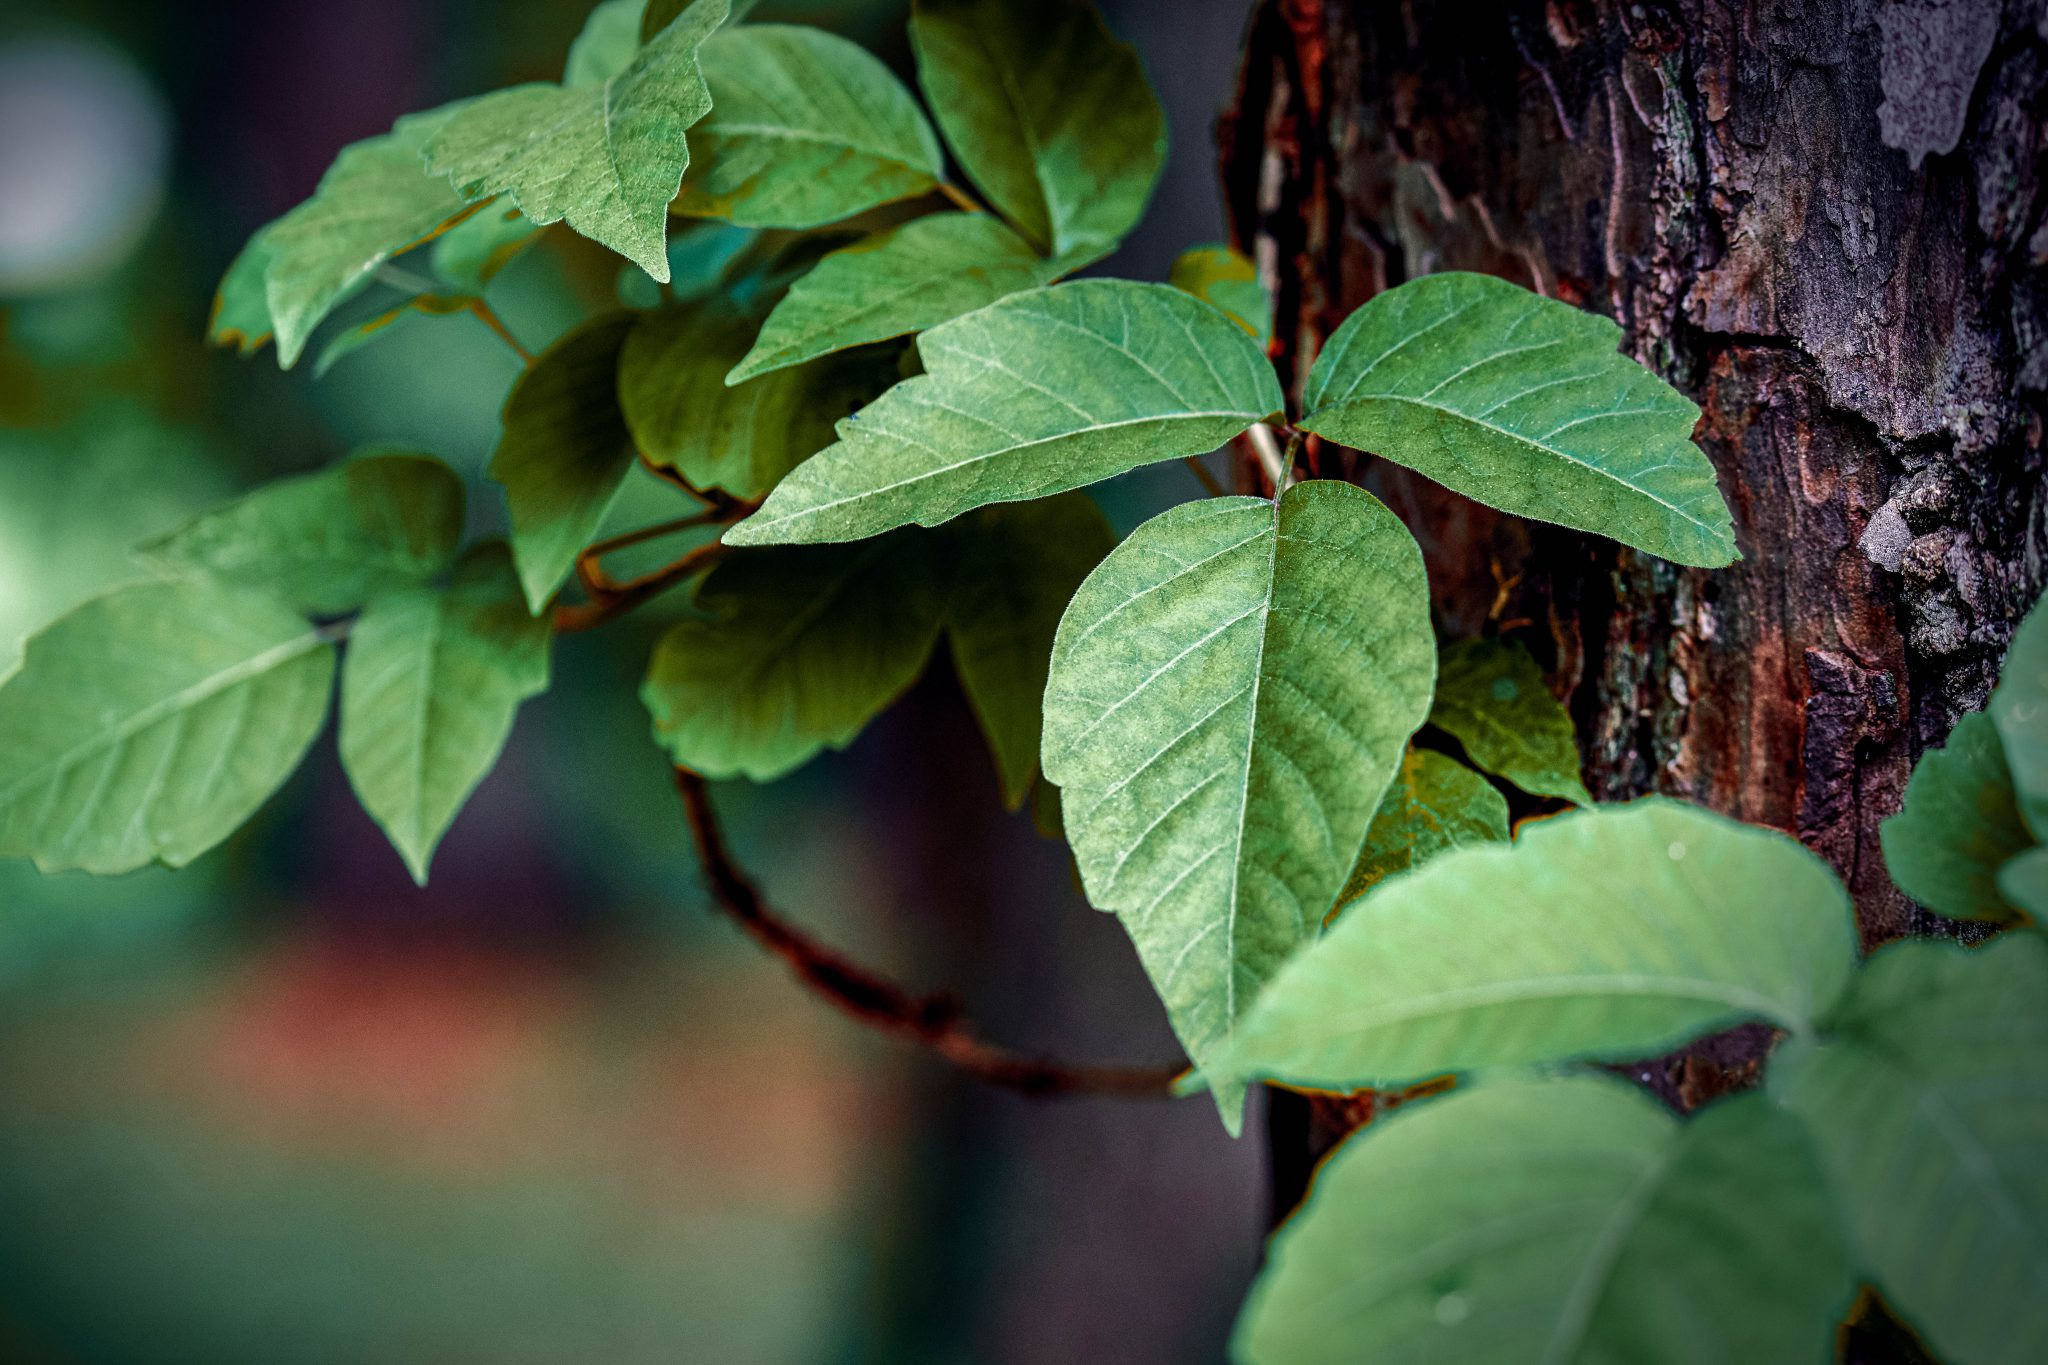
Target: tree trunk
{"x":1824,"y":221}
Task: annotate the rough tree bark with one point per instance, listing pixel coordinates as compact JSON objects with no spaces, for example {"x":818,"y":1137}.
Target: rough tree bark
{"x":1826,"y":220}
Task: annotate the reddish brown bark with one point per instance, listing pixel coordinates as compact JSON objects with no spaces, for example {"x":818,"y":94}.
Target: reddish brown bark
{"x":1827,"y":222}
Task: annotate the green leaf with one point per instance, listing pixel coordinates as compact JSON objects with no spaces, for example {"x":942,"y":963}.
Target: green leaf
{"x":1616,"y":932}
{"x":605,"y":158}
{"x":431,"y":682}
{"x":805,"y":128}
{"x":374,"y":202}
{"x":1018,"y":567}
{"x":661,"y":12}
{"x":1038,"y":393}
{"x":799,"y":649}
{"x":2024,"y":882}
{"x":608,"y":43}
{"x":241,"y":306}
{"x":469,"y":255}
{"x":1230,"y":693}
{"x":891,"y":283}
{"x":326,"y":542}
{"x":1958,"y":827}
{"x":151,"y":722}
{"x":1491,"y":697}
{"x":1522,"y":403}
{"x":1050,"y":116}
{"x":1929,"y":1097}
{"x":1434,"y":804}
{"x":743,"y":439}
{"x":2019,"y":707}
{"x":565,"y":451}
{"x":1557,"y":1221}
{"x":1226,"y":278}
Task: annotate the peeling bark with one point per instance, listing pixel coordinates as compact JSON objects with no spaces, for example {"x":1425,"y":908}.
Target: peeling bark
{"x":1826,"y":221}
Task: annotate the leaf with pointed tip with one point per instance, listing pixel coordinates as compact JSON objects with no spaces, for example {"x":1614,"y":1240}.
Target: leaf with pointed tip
{"x":374,"y":202}
{"x":661,"y":12}
{"x":805,"y":128}
{"x":1522,"y":403}
{"x":1227,"y":279}
{"x":743,"y":439}
{"x":1230,"y":693}
{"x":148,"y":724}
{"x":1018,"y":568}
{"x":605,"y":158}
{"x":1048,"y":113}
{"x":565,"y":452}
{"x":1491,"y":697}
{"x":1038,"y":393}
{"x":1568,"y":1221}
{"x":891,"y":283}
{"x":2019,"y":707}
{"x":798,"y":649}
{"x":241,"y":306}
{"x":1615,"y":932}
{"x":1958,"y":827}
{"x":1433,"y":804}
{"x":429,"y":688}
{"x":326,"y":542}
{"x":1928,"y":1094}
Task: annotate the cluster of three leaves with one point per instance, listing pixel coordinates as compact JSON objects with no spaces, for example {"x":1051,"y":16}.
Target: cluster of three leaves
{"x":1232,"y":689}
{"x":151,"y":722}
{"x":1917,"y":1083}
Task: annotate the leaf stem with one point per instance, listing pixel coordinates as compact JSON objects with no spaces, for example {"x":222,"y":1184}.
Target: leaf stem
{"x":489,"y":317}
{"x":1209,"y":481}
{"x":1267,"y":448}
{"x":959,"y":198}
{"x":933,"y":1021}
{"x":1294,"y":444}
{"x":608,"y":601}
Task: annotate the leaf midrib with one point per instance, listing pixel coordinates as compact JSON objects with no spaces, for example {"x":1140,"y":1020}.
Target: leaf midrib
{"x":128,"y":728}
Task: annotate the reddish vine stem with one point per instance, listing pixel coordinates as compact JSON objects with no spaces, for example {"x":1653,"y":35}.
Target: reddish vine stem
{"x":612,"y":600}
{"x":489,"y":317}
{"x":933,"y":1021}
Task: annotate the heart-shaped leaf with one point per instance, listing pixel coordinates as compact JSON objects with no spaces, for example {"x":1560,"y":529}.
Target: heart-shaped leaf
{"x":1230,"y":693}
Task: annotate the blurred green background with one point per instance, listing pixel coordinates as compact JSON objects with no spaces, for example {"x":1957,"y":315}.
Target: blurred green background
{"x":282,"y":1107}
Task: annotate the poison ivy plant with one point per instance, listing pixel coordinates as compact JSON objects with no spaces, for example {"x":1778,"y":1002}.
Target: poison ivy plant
{"x":1521,"y":402}
{"x":565,"y":452}
{"x":1558,"y":1221}
{"x":1959,"y":826}
{"x":1229,"y":696}
{"x":326,"y":543}
{"x":1434,"y":803}
{"x":901,"y":280}
{"x":743,"y":438}
{"x":1928,"y":1094}
{"x":1239,"y":717}
{"x":1614,"y":933}
{"x":1120,"y":375}
{"x":428,"y":691}
{"x":805,"y":128}
{"x":148,"y":724}
{"x":1491,"y":697}
{"x":606,"y":158}
{"x":1049,"y":115}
